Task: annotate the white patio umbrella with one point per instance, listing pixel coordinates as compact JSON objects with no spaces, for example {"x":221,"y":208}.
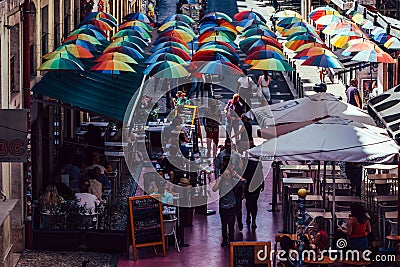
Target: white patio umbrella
{"x":330,"y":139}
{"x":309,"y":108}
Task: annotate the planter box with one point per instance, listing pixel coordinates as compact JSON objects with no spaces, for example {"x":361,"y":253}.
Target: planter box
{"x":56,"y":240}
{"x":106,"y":241}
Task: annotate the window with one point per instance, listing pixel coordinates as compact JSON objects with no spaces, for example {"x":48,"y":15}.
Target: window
{"x":45,"y":28}
{"x":13,"y":88}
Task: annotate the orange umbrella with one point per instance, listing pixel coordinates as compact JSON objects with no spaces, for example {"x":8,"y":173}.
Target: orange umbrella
{"x":358,"y":45}
{"x":264,"y":47}
{"x":99,"y":23}
{"x":313,"y":51}
{"x":309,"y":45}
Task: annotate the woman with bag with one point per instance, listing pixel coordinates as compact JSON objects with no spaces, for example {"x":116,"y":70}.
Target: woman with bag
{"x":263,"y":86}
{"x":244,"y":89}
{"x":233,"y":111}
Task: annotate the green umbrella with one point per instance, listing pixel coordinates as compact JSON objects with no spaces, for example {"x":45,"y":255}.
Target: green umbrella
{"x":183,"y":28}
{"x":133,"y":39}
{"x":126,"y":44}
{"x":167,"y":56}
{"x":166,"y":69}
{"x":59,"y":64}
{"x":216,"y":46}
{"x":168,"y":44}
{"x":272,"y":64}
{"x":126,"y":32}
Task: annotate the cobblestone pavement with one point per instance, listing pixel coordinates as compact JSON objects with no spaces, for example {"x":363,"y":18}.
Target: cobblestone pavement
{"x":30,"y":258}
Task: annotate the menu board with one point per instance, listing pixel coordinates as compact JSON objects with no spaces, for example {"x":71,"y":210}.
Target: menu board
{"x":187,"y":113}
{"x":146,"y":222}
{"x":244,"y":254}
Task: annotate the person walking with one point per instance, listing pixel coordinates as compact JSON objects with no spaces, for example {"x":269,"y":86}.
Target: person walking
{"x":352,"y":93}
{"x":211,"y":125}
{"x":227,"y":202}
{"x":244,"y":89}
{"x":353,"y":172}
{"x":225,"y":157}
{"x":264,"y":82}
{"x":233,"y":111}
{"x":246,"y":134}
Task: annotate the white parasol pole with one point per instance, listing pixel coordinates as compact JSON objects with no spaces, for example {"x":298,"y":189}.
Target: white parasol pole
{"x":333,"y":197}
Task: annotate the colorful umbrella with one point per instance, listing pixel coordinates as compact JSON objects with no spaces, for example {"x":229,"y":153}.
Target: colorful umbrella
{"x":220,"y":67}
{"x":302,"y":36}
{"x":341,"y":40}
{"x":207,"y":34}
{"x":108,"y":21}
{"x":167,"y":56}
{"x":174,"y":23}
{"x":92,"y":32}
{"x":258,"y":31}
{"x":84,"y":37}
{"x":133,"y":39}
{"x":112,"y":67}
{"x":241,"y":25}
{"x":382,"y":37}
{"x":166,"y":69}
{"x":295,"y":44}
{"x":217,"y":23}
{"x":334,"y":28}
{"x":170,"y":44}
{"x":322,"y":11}
{"x":216,"y":38}
{"x":287,"y":13}
{"x":219,"y":29}
{"x":358,"y":45}
{"x":216,"y":15}
{"x":136,"y":23}
{"x":126,"y":44}
{"x":116,"y":56}
{"x":133,"y":53}
{"x":60,"y":64}
{"x":77,"y":51}
{"x":100,"y":14}
{"x":272,"y":64}
{"x":85,"y":44}
{"x":286,"y":22}
{"x":264,"y":47}
{"x":392,"y":43}
{"x":98,"y":23}
{"x":209,"y":55}
{"x":378,"y":30}
{"x":248,"y":14}
{"x":309,"y":45}
{"x":188,"y":30}
{"x":373,"y":55}
{"x":130,"y":32}
{"x":299,"y":30}
{"x":62,"y":54}
{"x":323,"y":21}
{"x":368,"y":25}
{"x":217,"y":47}
{"x":138,"y":16}
{"x":313,"y":51}
{"x":258,"y":40}
{"x":178,"y":33}
{"x":175,"y":51}
{"x":263,"y":54}
{"x":145,"y":34}
{"x":179,"y":17}
{"x":169,"y":39}
{"x":93,"y":27}
{"x":255,"y":26}
{"x":323,"y":61}
{"x":231,"y":46}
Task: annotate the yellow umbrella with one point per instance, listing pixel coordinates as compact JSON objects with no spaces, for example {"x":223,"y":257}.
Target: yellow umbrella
{"x":358,"y":18}
{"x":287,"y":32}
{"x":186,"y":36}
{"x":287,"y":13}
{"x":83,"y":37}
{"x":272,"y":64}
{"x":116,"y":56}
{"x":309,"y":45}
{"x":341,"y":40}
{"x":393,"y":43}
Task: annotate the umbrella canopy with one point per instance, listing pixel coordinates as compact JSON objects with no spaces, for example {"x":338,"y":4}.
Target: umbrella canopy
{"x":133,"y":53}
{"x":335,"y":28}
{"x":247,"y":43}
{"x":374,"y":55}
{"x":220,"y":67}
{"x":216,"y":38}
{"x":322,"y":11}
{"x":133,"y":39}
{"x":143,"y":33}
{"x":174,"y":23}
{"x":136,"y":23}
{"x":298,"y":30}
{"x":93,"y":27}
{"x":185,"y":29}
{"x":60,"y":64}
{"x":179,"y":33}
{"x":255,"y":26}
{"x":392,"y":43}
{"x":217,"y":23}
{"x":302,"y":36}
{"x":85,"y":44}
{"x":368,"y":25}
{"x":330,"y":139}
{"x":167,"y":56}
{"x":217,"y":47}
{"x":286,"y":22}
{"x":130,"y":32}
{"x":62,"y":54}
{"x":295,"y":44}
{"x":357,"y":45}
{"x":261,"y":55}
{"x":208,"y":55}
{"x":216,"y":15}
{"x":166,"y":69}
{"x":171,"y":44}
{"x":248,"y":14}
{"x":358,"y":18}
{"x":116,"y":56}
{"x":309,"y":45}
{"x":100,"y":14}
{"x":76,"y":50}
{"x":174,"y":50}
{"x":242,"y":25}
{"x":126,"y":44}
{"x":231,"y":46}
{"x":258,"y":31}
{"x":309,"y":108}
{"x":323,"y":61}
{"x":99,"y":23}
{"x":228,"y":34}
{"x":287,"y":13}
{"x":378,"y":30}
{"x":323,"y":21}
{"x":272,"y":64}
{"x":341,"y":40}
{"x":263,"y":47}
{"x":84,"y":37}
{"x":99,"y":35}
{"x":179,"y":17}
{"x":313,"y":51}
{"x":138,"y":16}
{"x":112,"y":67}
{"x":382,"y":37}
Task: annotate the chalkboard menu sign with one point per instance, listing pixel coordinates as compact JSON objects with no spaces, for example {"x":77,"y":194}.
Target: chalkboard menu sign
{"x":246,"y":254}
{"x":187,"y":113}
{"x":146,"y":222}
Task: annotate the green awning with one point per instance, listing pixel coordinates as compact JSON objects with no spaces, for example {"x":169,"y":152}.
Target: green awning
{"x":91,"y":91}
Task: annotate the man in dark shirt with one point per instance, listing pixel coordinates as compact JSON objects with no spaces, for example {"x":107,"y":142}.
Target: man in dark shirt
{"x":352,"y":93}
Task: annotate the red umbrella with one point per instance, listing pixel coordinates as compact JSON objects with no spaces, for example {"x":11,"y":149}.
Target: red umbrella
{"x":169,"y":39}
{"x":174,"y":50}
{"x":263,"y":47}
{"x":247,"y":43}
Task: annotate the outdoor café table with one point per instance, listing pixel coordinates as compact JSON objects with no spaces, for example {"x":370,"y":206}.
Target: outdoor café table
{"x":346,"y":199}
{"x":286,"y":182}
{"x":326,"y":260}
{"x":293,"y":199}
{"x":389,"y":215}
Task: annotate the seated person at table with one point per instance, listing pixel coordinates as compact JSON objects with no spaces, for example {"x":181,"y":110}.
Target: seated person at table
{"x":286,"y":260}
{"x":319,"y":240}
{"x":94,"y":161}
{"x":166,"y":197}
{"x":96,"y":187}
{"x":103,"y":179}
{"x":358,"y":227}
{"x":87,"y":202}
{"x":51,"y":202}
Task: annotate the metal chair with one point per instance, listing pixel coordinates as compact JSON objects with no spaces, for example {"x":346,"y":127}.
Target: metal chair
{"x":87,"y":221}
{"x":393,"y":231}
{"x":53,"y":221}
{"x":170,"y":229}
